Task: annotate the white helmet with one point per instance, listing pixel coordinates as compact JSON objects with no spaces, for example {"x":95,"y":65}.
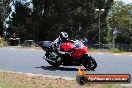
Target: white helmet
{"x":63,"y":36}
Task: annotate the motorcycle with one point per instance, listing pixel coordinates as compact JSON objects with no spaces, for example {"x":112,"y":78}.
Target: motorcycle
{"x":77,"y":55}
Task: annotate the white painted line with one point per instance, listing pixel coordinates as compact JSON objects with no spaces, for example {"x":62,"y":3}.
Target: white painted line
{"x":12,"y":48}
{"x":116,"y":54}
{"x":32,"y":49}
{"x":130,"y":55}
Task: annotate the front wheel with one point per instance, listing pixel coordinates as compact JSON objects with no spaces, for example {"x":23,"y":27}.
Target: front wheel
{"x":89,"y":63}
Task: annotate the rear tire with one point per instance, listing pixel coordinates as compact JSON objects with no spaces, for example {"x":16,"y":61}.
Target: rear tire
{"x":56,"y":64}
{"x":89,"y":63}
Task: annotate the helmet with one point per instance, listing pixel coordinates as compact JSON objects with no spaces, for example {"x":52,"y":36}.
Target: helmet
{"x":63,"y":36}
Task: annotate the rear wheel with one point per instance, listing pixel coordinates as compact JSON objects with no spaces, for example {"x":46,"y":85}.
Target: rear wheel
{"x":52,"y":61}
{"x":89,"y":63}
{"x":54,"y":64}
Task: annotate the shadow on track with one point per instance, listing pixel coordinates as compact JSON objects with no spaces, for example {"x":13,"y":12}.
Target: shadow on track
{"x":58,"y":68}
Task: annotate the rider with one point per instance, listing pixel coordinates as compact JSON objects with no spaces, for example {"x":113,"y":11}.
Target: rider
{"x":63,"y":37}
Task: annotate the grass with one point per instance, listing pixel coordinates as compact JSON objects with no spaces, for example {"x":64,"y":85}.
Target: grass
{"x":15,"y":80}
{"x":116,"y":50}
{"x":112,"y":50}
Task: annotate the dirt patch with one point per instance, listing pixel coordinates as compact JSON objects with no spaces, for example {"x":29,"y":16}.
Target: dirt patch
{"x":21,"y":80}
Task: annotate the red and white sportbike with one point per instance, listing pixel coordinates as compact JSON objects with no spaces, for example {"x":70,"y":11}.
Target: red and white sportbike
{"x":78,"y":55}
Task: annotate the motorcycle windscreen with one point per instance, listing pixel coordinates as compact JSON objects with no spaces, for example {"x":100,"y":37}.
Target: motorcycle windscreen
{"x":78,"y":44}
{"x":80,"y":49}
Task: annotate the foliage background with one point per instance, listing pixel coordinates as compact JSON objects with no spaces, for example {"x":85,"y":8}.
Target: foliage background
{"x":77,"y":17}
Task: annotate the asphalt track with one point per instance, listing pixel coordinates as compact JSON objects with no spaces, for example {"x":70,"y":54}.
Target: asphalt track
{"x":30,"y":61}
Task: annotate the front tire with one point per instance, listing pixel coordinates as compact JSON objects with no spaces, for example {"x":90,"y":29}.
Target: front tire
{"x":89,"y":63}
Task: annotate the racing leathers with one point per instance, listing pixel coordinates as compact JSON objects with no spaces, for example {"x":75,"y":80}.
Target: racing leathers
{"x":56,"y":45}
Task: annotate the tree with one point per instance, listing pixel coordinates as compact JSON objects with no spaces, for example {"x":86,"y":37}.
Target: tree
{"x":49,"y":17}
{"x":77,"y":17}
{"x":120,"y":19}
{"x":3,"y":14}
